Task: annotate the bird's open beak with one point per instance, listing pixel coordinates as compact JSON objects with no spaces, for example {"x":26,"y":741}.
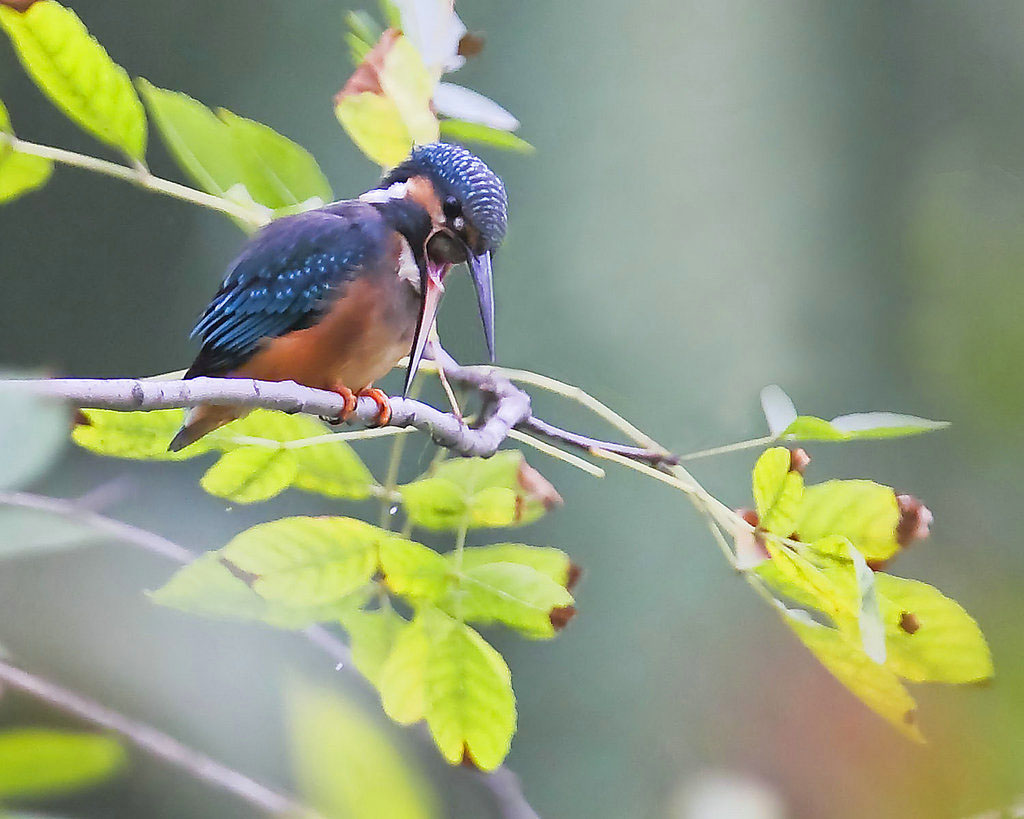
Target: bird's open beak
{"x":431,"y":290}
{"x":480,"y":270}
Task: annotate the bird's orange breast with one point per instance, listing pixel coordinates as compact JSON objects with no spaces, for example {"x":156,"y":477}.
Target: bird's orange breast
{"x":361,"y":337}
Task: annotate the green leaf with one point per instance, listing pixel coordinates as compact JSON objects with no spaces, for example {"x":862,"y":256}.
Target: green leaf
{"x":136,"y":435}
{"x":305,"y":561}
{"x":470,"y":707}
{"x":330,"y":468}
{"x":863,"y":512}
{"x":550,"y":562}
{"x":513,"y":594}
{"x":502,"y":490}
{"x":200,"y":142}
{"x":277,"y":172}
{"x":374,"y":124}
{"x":347,"y":766}
{"x":372,"y":635}
{"x":777,"y":491}
{"x":33,"y":433}
{"x":459,"y":130}
{"x":875,"y":685}
{"x":403,"y":677}
{"x":77,"y":74}
{"x":930,"y":638}
{"x":34,"y":531}
{"x":415,"y":571}
{"x":795,"y":577}
{"x":250,"y":474}
{"x":363,"y":32}
{"x":35,"y":762}
{"x":783,"y":422}
{"x":207,"y":586}
{"x":19,"y":173}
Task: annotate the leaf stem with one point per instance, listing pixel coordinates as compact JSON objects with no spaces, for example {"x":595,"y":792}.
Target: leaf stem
{"x":138,"y":175}
{"x":739,"y":446}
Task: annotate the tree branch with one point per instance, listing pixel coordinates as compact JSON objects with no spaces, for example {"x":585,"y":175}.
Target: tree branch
{"x":506,"y":407}
{"x":152,"y":741}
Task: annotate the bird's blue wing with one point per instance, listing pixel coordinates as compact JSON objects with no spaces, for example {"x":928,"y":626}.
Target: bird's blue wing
{"x":284,"y":279}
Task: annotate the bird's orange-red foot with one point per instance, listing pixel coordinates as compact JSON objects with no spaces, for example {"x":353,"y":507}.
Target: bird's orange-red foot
{"x":383,"y":405}
{"x":350,"y":400}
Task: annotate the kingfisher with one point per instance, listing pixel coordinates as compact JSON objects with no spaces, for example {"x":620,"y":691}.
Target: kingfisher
{"x":334,"y":297}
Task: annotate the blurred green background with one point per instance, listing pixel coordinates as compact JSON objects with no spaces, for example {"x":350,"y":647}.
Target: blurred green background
{"x":725,"y":194}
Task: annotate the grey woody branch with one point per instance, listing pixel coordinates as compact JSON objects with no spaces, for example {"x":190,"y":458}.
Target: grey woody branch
{"x":504,"y":407}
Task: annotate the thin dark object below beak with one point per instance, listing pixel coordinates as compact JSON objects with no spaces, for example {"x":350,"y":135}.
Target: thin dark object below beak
{"x":430,"y":301}
{"x":480,"y":270}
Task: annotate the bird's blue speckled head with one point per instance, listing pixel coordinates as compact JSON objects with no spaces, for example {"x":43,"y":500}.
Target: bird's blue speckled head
{"x":457,"y":173}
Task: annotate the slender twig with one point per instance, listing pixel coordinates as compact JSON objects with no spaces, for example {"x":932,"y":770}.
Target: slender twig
{"x":153,"y":742}
{"x":139,"y":176}
{"x":739,"y":446}
{"x":501,"y":782}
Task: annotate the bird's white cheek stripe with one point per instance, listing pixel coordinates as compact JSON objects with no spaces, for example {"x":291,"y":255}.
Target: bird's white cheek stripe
{"x":397,"y":190}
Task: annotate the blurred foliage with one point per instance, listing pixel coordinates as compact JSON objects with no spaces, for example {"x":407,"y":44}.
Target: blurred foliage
{"x":35,"y":762}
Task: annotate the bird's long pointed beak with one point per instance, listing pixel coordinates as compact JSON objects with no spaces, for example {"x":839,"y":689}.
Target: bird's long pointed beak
{"x":431,"y":290}
{"x":480,"y":270}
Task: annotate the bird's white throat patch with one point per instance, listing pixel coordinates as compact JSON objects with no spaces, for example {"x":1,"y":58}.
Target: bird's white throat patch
{"x":408,"y":270}
{"x":396,"y":190}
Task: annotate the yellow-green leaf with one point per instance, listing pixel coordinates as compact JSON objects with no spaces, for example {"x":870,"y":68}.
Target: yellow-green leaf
{"x":413,"y":570}
{"x":375,"y":125}
{"x":277,"y":172}
{"x":801,"y":581}
{"x":196,"y":138}
{"x":347,"y":766}
{"x":875,"y":685}
{"x":460,"y":130}
{"x":36,"y":762}
{"x":333,"y":469}
{"x":77,"y":74}
{"x":386,"y":106}
{"x":403,"y":677}
{"x":372,"y":635}
{"x":137,"y":435}
{"x":503,"y":490}
{"x":19,"y":173}
{"x":33,"y":432}
{"x":304,"y":561}
{"x":930,"y":638}
{"x":513,"y":594}
{"x":212,"y":588}
{"x":470,"y":707}
{"x":550,"y":562}
{"x":777,"y":491}
{"x":863,"y":512}
{"x":250,"y":474}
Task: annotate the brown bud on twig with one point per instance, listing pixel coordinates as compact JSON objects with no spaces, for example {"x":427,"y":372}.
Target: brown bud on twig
{"x":471,"y":44}
{"x":560,"y":616}
{"x":915,"y":518}
{"x":18,"y":5}
{"x":575,"y":573}
{"x":536,"y":487}
{"x":798,"y":460}
{"x":749,"y":516}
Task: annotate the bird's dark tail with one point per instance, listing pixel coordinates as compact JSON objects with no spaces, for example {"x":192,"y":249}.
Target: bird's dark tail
{"x":202,"y":420}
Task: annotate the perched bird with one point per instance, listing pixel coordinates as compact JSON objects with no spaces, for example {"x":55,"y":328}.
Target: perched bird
{"x":332,"y":298}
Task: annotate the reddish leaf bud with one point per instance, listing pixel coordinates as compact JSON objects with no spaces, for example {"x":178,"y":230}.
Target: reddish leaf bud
{"x":575,"y":573}
{"x":471,"y":44}
{"x":536,"y":487}
{"x":750,"y":516}
{"x":798,"y":460}
{"x":18,"y":5}
{"x":915,"y":518}
{"x":561,"y":615}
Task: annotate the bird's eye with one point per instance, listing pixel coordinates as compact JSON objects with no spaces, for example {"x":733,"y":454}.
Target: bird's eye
{"x":451,"y":208}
